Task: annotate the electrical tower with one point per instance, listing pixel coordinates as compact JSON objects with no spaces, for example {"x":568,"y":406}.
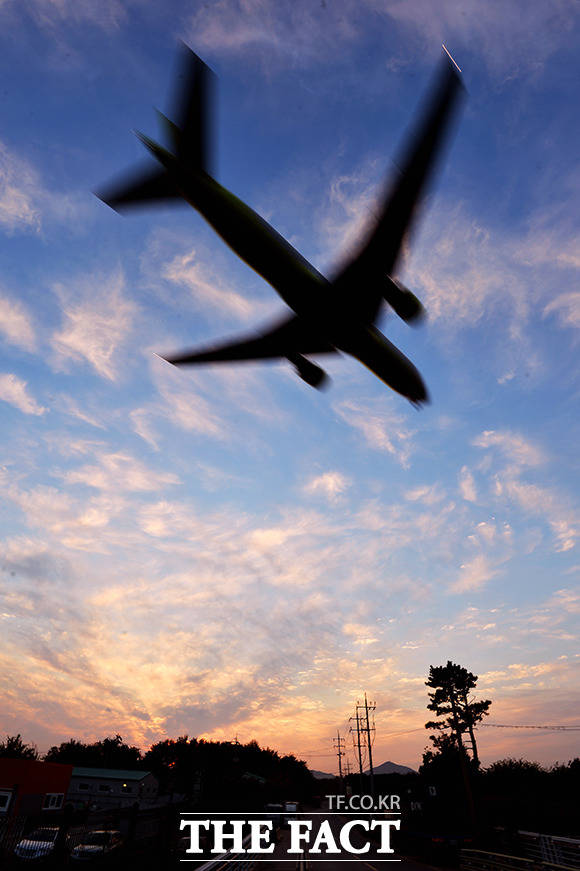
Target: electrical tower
{"x":369,"y":706}
{"x":363,"y":724}
{"x":339,"y":747}
{"x":357,"y":744}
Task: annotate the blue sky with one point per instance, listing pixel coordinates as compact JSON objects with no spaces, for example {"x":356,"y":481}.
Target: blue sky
{"x":227,"y":551}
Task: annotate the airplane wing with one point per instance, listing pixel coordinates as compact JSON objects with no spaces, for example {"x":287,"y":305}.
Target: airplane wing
{"x":287,"y":339}
{"x":381,"y":251}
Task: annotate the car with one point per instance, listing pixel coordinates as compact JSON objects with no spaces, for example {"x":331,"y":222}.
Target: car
{"x":37,"y":845}
{"x":96,"y":844}
{"x":290,"y":811}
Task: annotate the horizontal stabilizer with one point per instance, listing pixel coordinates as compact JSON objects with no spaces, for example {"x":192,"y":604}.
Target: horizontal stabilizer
{"x":149,"y":186}
{"x":188,"y":137}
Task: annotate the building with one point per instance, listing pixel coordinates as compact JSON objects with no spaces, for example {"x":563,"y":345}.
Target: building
{"x":101,"y":788}
{"x":31,"y":787}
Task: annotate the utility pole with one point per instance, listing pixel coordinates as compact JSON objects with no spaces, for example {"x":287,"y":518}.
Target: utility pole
{"x":358,"y":731}
{"x":339,"y":747}
{"x":370,"y":707}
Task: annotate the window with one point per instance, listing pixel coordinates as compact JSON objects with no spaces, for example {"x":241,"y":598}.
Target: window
{"x":53,"y":801}
{"x":104,"y":787}
{"x":5,"y":796}
{"x":126,"y":788}
{"x":84,"y":786}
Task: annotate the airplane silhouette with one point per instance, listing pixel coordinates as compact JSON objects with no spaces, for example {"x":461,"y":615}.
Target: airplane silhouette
{"x":328,"y":315}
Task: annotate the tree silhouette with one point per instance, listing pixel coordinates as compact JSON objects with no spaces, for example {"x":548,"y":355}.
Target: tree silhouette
{"x":110,"y":752}
{"x":15,"y":748}
{"x":452,"y":702}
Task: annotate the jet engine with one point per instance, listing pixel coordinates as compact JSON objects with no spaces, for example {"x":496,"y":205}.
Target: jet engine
{"x":308,"y":371}
{"x":405,"y":303}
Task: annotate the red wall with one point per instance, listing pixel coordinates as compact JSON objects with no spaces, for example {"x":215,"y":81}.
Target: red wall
{"x":33,"y":780}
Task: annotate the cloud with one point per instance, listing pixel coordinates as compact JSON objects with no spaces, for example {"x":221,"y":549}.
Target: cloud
{"x":566,"y":307}
{"x":68,"y":405}
{"x":473,"y":575}
{"x":25,"y":201}
{"x":19,"y":188}
{"x":207,"y":287}
{"x":141,"y":424}
{"x":496,"y":31}
{"x":116,"y":472}
{"x":347,"y":215}
{"x":97,"y":319}
{"x":428,"y":495}
{"x":14,"y":390}
{"x":48,"y":14}
{"x":183,"y":404}
{"x":545,"y":502}
{"x":16,"y":324}
{"x":382,"y":428}
{"x":467,"y":485}
{"x":302,"y":32}
{"x":516,"y":448}
{"x":330,"y":484}
{"x":298,"y":32}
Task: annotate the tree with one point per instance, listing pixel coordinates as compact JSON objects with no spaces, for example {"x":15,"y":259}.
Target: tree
{"x":451,"y":700}
{"x":15,"y":748}
{"x":108,"y":753}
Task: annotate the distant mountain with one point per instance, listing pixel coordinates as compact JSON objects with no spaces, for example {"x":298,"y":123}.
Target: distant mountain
{"x":321,"y":775}
{"x":392,"y":768}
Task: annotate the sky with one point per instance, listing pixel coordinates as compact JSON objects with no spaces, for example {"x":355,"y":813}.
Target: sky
{"x":225,"y":551}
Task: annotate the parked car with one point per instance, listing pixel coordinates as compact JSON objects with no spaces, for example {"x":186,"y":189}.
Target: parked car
{"x":38,"y":844}
{"x":96,"y":845}
{"x":275,"y":812}
{"x":290,"y":811}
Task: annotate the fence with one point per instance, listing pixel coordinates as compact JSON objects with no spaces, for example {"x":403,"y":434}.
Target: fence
{"x":480,"y":860}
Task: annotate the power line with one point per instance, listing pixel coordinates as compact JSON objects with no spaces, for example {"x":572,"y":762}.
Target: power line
{"x":405,"y":732}
{"x":574,"y":728}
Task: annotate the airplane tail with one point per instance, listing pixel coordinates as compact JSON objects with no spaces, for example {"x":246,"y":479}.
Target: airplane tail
{"x":189,"y":140}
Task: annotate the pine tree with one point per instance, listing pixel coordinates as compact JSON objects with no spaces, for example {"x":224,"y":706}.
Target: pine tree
{"x":451,"y":700}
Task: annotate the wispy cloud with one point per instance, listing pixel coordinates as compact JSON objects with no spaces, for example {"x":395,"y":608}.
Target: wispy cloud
{"x":496,"y":31}
{"x":473,"y":575}
{"x":15,"y":391}
{"x":117,"y":472}
{"x":306,"y":32}
{"x":98,"y":316}
{"x":329,"y":484}
{"x":48,"y":14}
{"x":382,"y":428}
{"x":16,"y":324}
{"x":514,"y":446}
{"x":25,"y":201}
{"x":566,"y":307}
{"x":19,"y":188}
{"x":297,"y":31}
{"x":520,"y":455}
{"x":467,"y":485}
{"x":207,"y":286}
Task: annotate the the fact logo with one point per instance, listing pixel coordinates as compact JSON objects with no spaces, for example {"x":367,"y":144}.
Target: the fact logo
{"x":352,"y":825}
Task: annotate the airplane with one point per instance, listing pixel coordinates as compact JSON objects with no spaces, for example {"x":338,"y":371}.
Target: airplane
{"x":328,"y":315}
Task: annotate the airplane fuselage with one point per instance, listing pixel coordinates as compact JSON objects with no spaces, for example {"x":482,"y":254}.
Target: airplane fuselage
{"x":305,"y":290}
